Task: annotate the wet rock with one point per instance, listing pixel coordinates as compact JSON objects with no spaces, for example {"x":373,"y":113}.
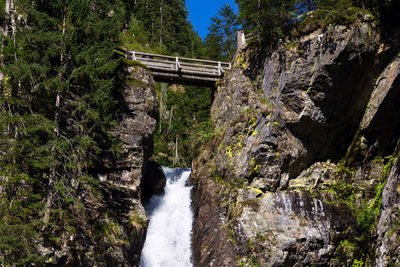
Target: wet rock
{"x":212,"y":244}
{"x":154,"y":180}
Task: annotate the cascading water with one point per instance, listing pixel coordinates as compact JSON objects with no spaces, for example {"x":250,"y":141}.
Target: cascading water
{"x":168,"y":241}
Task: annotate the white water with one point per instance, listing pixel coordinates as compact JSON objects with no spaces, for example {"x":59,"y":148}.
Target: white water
{"x":168,"y":241}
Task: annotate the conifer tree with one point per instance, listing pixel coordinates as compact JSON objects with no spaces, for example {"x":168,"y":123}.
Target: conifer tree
{"x":221,"y":40}
{"x":269,"y":19}
{"x":167,"y":24}
{"x":57,"y":104}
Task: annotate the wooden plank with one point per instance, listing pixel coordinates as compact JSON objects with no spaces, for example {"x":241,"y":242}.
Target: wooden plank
{"x":178,"y":77}
{"x":188,"y":66}
{"x":200,"y":69}
{"x":172,"y":67}
{"x":145,"y":60}
{"x":154,"y":60}
{"x":198,"y":65}
{"x":160,"y":64}
{"x":201,"y":73}
{"x":182,"y":58}
{"x":198,"y":73}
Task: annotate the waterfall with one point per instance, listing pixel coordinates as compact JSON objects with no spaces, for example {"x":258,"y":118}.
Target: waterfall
{"x":168,"y":241}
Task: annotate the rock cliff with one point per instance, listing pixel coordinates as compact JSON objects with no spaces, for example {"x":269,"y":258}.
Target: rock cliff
{"x":304,"y":146}
{"x":111,"y":227}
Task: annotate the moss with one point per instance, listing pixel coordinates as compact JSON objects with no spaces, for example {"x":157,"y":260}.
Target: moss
{"x":342,"y":191}
{"x":133,"y":63}
{"x":292,"y":45}
{"x":389,"y":161}
{"x":347,"y":247}
{"x":358,"y":263}
{"x":138,"y":220}
{"x":247,"y":261}
{"x":366,"y":211}
{"x":395,"y":227}
{"x":229,"y":184}
{"x":368,"y":214}
{"x":322,"y":18}
{"x":251,"y":257}
{"x":135,"y":82}
{"x":248,"y":111}
{"x":107,"y":229}
{"x":343,"y":170}
{"x":265,"y":101}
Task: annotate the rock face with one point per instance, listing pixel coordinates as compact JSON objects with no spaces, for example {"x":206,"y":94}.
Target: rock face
{"x":135,"y":132}
{"x":128,"y":173}
{"x":112,"y":223}
{"x":154,"y":180}
{"x":304,"y":147}
{"x":388,"y":229}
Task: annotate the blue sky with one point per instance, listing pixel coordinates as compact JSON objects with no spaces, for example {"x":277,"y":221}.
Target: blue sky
{"x":201,"y":12}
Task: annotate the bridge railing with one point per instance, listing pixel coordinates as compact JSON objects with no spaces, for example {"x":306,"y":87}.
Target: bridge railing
{"x":171,"y":64}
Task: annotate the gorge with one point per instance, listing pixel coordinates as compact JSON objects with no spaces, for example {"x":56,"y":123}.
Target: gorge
{"x":168,"y":241}
{"x":293,"y":153}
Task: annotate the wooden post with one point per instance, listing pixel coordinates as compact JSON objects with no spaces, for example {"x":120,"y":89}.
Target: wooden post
{"x":177,"y":65}
{"x":241,"y":39}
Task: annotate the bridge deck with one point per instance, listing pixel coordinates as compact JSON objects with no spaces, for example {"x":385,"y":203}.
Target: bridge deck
{"x":180,"y":70}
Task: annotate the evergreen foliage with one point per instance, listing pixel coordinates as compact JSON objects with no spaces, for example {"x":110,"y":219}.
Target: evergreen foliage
{"x":272,"y":20}
{"x":184,"y":124}
{"x":221,"y":40}
{"x":57,"y":103}
{"x":163,"y":27}
{"x":59,"y":99}
{"x":167,"y":26}
{"x":267,"y":18}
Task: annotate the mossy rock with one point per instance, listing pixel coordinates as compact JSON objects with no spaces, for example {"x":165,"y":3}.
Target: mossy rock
{"x":133,"y":63}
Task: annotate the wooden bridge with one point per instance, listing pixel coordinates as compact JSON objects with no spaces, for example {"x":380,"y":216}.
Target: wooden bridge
{"x":180,"y":70}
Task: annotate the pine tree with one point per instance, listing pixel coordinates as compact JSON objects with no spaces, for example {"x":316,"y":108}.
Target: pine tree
{"x":221,"y":40}
{"x":269,"y":19}
{"x":166,"y":22}
{"x":57,"y":104}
